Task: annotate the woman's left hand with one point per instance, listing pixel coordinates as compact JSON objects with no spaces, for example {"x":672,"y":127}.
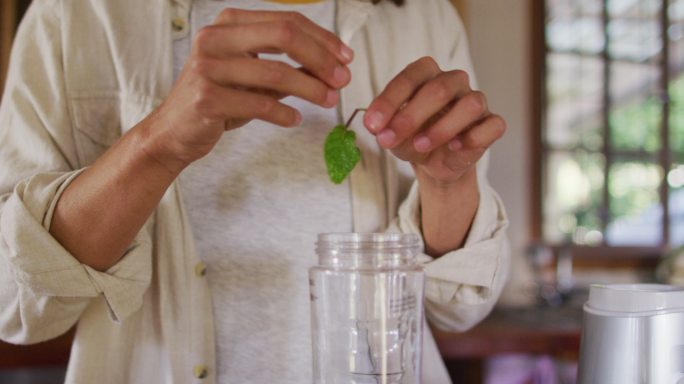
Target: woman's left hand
{"x":434,"y":120}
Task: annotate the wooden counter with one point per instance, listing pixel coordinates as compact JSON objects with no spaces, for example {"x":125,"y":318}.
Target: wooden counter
{"x":554,"y":331}
{"x":49,"y":353}
{"x":533,"y":331}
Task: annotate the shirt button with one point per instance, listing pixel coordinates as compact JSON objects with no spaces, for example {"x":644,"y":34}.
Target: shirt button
{"x":200,"y":269}
{"x":200,"y":371}
{"x":178,"y":24}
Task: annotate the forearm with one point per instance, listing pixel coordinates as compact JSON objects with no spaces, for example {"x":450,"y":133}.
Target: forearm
{"x":447,"y":211}
{"x":102,"y":210}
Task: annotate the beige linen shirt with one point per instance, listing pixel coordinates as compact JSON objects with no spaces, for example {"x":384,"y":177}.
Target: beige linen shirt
{"x":82,"y":72}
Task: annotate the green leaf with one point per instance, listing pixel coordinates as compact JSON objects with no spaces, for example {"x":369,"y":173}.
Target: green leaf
{"x":341,"y":153}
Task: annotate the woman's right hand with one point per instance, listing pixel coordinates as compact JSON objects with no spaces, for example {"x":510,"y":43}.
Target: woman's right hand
{"x":224,"y":84}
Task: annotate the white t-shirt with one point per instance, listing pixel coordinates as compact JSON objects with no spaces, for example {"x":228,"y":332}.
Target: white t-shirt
{"x":256,"y":204}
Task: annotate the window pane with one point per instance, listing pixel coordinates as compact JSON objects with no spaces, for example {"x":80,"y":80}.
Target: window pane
{"x":675,"y":176}
{"x":573,"y":197}
{"x":635,"y":41}
{"x":574,"y":94}
{"x":636,"y":213}
{"x":577,"y":7}
{"x":635,"y":118}
{"x":676,"y":11}
{"x":676,"y":16}
{"x":634,"y":29}
{"x":575,"y":34}
{"x":676,"y":91}
{"x":574,"y":25}
{"x":675,"y":179}
{"x":633,"y":8}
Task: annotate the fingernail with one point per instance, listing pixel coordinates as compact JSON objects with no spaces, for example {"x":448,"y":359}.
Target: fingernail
{"x":386,"y":138}
{"x":455,"y":145}
{"x":374,"y":120}
{"x":331,"y":98}
{"x":347,"y":53}
{"x":298,"y":119}
{"x":340,"y":75}
{"x":422,"y":143}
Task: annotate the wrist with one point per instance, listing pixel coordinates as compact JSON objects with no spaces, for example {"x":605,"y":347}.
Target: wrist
{"x":467,"y":183}
{"x":447,"y":210}
{"x":157,"y":148}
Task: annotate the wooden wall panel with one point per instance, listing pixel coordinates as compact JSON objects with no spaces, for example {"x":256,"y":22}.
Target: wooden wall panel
{"x":8,"y":15}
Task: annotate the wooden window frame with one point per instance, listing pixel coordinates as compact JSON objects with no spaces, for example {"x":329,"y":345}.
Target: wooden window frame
{"x":600,"y":256}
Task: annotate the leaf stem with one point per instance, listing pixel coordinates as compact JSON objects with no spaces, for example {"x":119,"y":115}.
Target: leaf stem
{"x":357,"y":110}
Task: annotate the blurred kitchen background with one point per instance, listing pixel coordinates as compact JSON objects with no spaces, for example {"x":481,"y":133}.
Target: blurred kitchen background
{"x":591,"y":170}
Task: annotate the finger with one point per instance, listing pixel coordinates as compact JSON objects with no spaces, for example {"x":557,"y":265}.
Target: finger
{"x":269,"y":76}
{"x":398,"y":91}
{"x":431,"y":100}
{"x":283,"y":36}
{"x":480,"y":136}
{"x":220,"y":104}
{"x":233,"y":16}
{"x":468,"y":110}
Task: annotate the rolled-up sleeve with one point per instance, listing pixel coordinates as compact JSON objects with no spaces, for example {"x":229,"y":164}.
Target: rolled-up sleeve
{"x":43,"y":288}
{"x":463,"y":286}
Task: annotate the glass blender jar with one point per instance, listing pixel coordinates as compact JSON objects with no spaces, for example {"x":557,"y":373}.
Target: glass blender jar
{"x":367,"y":309}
